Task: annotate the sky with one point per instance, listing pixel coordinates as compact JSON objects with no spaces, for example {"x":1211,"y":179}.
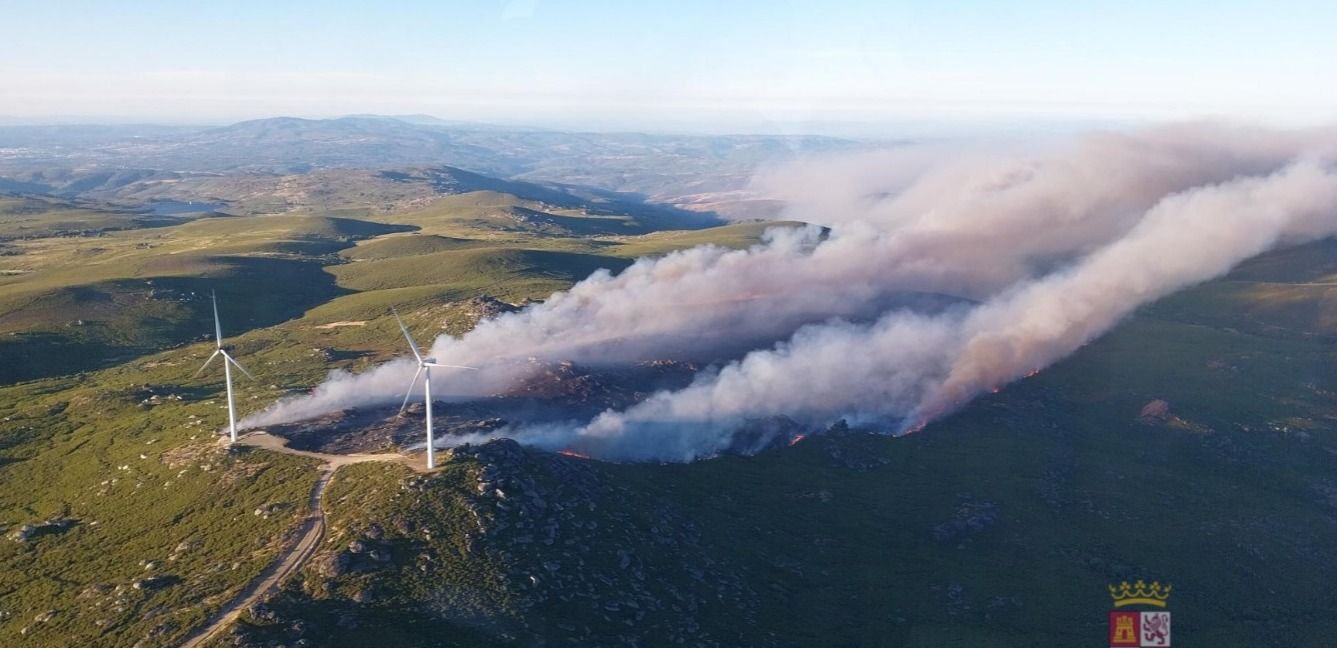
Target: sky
{"x":719,"y":65}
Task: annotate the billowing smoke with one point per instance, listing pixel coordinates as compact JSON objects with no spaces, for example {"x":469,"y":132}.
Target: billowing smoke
{"x":944,"y":272}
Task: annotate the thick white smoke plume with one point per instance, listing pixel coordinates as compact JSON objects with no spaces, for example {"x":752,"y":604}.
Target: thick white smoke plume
{"x":1030,"y":255}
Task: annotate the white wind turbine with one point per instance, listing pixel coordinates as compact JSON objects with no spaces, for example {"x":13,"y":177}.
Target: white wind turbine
{"x":425,"y":370}
{"x":228,"y":363}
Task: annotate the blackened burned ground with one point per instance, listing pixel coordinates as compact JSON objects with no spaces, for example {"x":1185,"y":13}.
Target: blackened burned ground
{"x":555,"y":393}
{"x":376,"y":429}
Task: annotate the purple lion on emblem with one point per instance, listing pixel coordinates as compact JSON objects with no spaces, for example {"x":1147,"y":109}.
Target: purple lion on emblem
{"x":1156,"y":628}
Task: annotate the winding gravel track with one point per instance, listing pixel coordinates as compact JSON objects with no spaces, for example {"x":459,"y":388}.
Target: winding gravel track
{"x":308,"y":540}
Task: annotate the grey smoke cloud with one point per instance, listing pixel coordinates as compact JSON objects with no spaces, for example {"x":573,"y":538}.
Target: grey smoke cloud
{"x":919,"y":368}
{"x":1041,"y":250}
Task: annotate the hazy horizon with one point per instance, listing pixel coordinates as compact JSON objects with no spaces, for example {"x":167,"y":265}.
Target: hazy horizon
{"x":838,"y":129}
{"x":793,"y":67}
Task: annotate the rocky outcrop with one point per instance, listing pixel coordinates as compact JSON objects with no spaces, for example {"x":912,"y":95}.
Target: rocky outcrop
{"x":970,"y":518}
{"x":1157,"y":411}
{"x":485,"y":307}
{"x":52,"y":526}
{"x":155,"y":582}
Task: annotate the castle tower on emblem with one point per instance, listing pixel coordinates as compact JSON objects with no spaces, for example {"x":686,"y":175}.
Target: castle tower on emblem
{"x":1139,"y":629}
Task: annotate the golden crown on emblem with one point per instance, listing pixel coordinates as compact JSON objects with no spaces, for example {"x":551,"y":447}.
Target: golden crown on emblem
{"x":1140,"y":593}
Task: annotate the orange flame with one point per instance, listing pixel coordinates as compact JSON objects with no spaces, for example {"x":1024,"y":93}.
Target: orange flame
{"x":796,"y":439}
{"x":924,"y":419}
{"x":572,"y":453}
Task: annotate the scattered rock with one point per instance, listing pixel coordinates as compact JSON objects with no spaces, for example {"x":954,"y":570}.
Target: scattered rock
{"x":365,"y":595}
{"x":1156,"y":411}
{"x":970,"y":518}
{"x":333,"y":565}
{"x":263,"y":613}
{"x":485,"y":307}
{"x":155,"y":582}
{"x":270,"y":508}
{"x":49,"y":527}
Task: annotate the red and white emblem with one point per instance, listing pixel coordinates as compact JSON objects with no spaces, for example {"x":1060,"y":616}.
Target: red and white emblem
{"x":1139,"y":629}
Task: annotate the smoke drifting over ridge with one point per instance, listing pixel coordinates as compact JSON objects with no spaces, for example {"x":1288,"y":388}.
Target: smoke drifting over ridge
{"x":1040,"y":251}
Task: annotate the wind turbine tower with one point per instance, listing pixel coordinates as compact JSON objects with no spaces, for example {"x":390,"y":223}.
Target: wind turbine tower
{"x":425,"y":370}
{"x":228,"y":363}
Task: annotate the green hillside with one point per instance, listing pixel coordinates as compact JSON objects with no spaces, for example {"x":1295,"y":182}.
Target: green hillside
{"x":998,"y":526}
{"x":112,"y":476}
{"x":391,"y":247}
{"x":70,"y":303}
{"x":482,"y":270}
{"x":123,"y":520}
{"x":82,"y":288}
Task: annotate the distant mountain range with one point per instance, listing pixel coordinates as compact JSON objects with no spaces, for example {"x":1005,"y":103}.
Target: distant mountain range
{"x":678,"y":169}
{"x":324,"y":190}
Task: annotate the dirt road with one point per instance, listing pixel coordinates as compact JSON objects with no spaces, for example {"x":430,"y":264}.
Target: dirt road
{"x":308,"y":539}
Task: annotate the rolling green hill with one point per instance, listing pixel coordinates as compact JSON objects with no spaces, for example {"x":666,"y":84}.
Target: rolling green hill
{"x":73,"y":303}
{"x":82,"y":287}
{"x":999,"y":526}
{"x":107,"y":444}
{"x":532,"y":273}
{"x":33,"y":217}
{"x":413,"y":244}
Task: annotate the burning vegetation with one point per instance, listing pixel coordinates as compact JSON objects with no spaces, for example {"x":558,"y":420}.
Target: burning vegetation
{"x":554,"y":393}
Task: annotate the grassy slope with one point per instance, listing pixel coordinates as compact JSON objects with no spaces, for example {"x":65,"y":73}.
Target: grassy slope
{"x":146,"y":483}
{"x":466,"y":593}
{"x":740,"y":235}
{"x":77,"y":303}
{"x":72,"y":446}
{"x":31,"y":217}
{"x":127,"y":285}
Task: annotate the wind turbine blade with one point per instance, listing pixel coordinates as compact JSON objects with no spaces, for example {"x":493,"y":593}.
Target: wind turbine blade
{"x":408,"y":337}
{"x":218,"y":327}
{"x":438,"y":364}
{"x":237,"y":364}
{"x":409,"y":391}
{"x":206,"y":364}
